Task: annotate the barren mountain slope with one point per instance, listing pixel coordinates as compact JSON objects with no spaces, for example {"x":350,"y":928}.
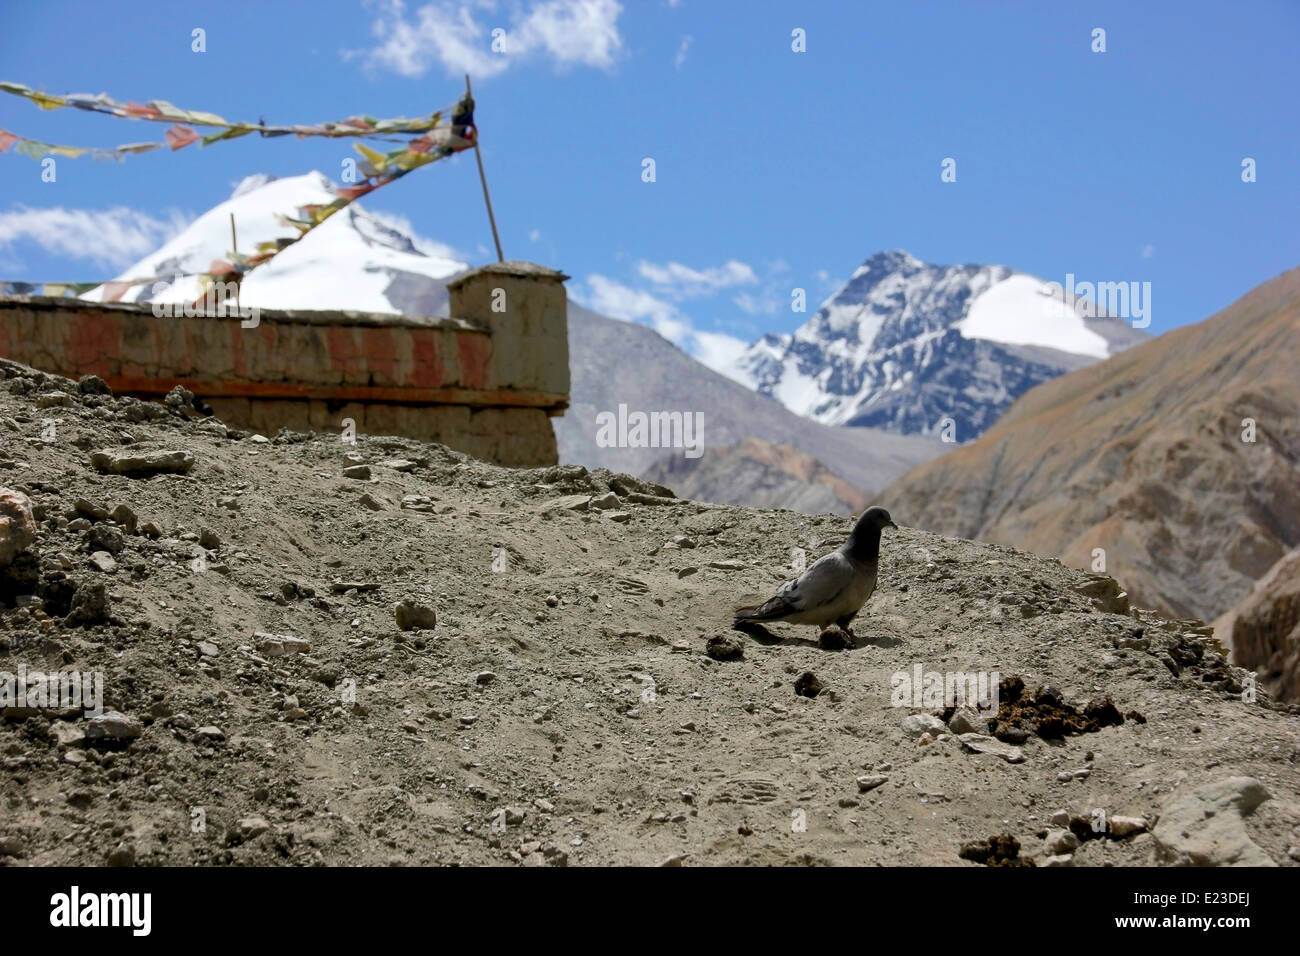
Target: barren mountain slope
{"x":1143,"y":455}
{"x":563,"y":708}
{"x":615,"y":363}
{"x":761,"y":474}
{"x":1265,"y":629}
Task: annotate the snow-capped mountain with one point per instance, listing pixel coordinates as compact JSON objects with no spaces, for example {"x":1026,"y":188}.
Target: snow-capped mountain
{"x":353,"y":260}
{"x":904,"y":345}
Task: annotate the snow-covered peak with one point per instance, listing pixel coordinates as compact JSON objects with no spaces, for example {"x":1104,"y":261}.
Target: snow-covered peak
{"x":249,"y":183}
{"x":905,"y":345}
{"x":354,"y":260}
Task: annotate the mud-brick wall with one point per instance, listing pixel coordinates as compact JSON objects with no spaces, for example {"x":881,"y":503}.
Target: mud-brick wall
{"x":516,"y":437}
{"x":484,"y":381}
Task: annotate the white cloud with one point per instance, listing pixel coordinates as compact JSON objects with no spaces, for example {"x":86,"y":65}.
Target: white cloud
{"x":681,"y":282}
{"x":756,"y":305}
{"x":457,"y":34}
{"x":681,"y":50}
{"x":1148,"y":251}
{"x":610,"y":297}
{"x":109,"y":238}
{"x":534,"y":235}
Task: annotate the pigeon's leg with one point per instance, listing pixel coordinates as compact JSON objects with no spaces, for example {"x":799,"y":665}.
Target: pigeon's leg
{"x":843,"y":624}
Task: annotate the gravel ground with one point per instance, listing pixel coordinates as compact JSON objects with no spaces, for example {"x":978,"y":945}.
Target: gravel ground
{"x":316,"y":652}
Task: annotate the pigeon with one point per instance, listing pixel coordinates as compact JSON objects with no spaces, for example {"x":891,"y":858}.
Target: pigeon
{"x":834,"y":587}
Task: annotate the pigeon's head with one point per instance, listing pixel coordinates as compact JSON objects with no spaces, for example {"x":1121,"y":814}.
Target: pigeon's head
{"x":873,"y":519}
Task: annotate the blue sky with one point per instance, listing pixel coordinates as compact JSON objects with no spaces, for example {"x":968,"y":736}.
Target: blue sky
{"x":774,"y":169}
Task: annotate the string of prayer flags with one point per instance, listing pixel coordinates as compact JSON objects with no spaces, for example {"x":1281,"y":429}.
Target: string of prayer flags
{"x":163,"y":112}
{"x":38,"y":150}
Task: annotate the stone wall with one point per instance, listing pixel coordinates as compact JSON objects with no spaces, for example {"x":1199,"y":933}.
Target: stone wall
{"x":484,"y":382}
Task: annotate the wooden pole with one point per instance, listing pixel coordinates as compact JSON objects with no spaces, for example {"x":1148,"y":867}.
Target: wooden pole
{"x":234,"y":251}
{"x":487,"y":200}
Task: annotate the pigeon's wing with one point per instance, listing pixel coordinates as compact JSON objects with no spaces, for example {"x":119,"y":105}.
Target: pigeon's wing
{"x":820,"y":585}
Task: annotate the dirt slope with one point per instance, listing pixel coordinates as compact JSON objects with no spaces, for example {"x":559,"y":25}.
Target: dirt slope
{"x":563,"y":708}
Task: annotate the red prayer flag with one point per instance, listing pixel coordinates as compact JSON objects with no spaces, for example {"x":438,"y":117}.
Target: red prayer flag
{"x":7,"y":139}
{"x":178,"y":136}
{"x":113,"y":291}
{"x":135,"y":109}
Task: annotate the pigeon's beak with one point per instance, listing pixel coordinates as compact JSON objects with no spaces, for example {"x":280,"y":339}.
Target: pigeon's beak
{"x":894,"y":526}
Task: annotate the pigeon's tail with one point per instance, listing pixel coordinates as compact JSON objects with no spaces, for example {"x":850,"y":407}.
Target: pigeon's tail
{"x":770,"y":610}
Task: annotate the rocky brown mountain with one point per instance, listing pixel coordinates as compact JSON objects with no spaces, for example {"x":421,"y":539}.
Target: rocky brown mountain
{"x":1176,"y":462}
{"x":1264,"y":629}
{"x":760,"y":474}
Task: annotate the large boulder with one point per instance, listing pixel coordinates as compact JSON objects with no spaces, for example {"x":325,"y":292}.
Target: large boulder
{"x":1204,"y":827}
{"x":17,"y":526}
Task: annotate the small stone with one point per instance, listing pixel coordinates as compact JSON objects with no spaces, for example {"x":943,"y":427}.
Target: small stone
{"x":724,"y":648}
{"x":552,"y":601}
{"x":357,"y":472}
{"x":208,"y":539}
{"x":484,"y":677}
{"x":249,"y":828}
{"x":411,"y":616}
{"x":808,"y":684}
{"x":728,"y":564}
{"x":124,"y":516}
{"x":983,"y":744}
{"x":914,"y":725}
{"x":967,"y":721}
{"x":93,"y":385}
{"x":112,"y":725}
{"x":870,"y":782}
{"x":1120,"y":827}
{"x":1061,"y":841}
{"x":142,"y":464}
{"x":1061,"y":818}
{"x":103,"y":561}
{"x":208,"y":649}
{"x":105,"y":537}
{"x":280,"y":645}
{"x":151,"y":530}
{"x":123,"y":855}
{"x":565,"y":503}
{"x":53,"y":400}
{"x":65,"y":734}
{"x":397,"y":464}
{"x":89,"y":606}
{"x":606,"y":502}
{"x":211,"y":733}
{"x":422,"y":503}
